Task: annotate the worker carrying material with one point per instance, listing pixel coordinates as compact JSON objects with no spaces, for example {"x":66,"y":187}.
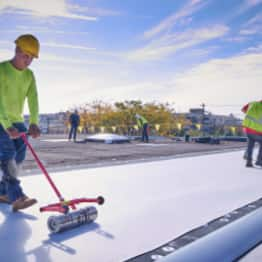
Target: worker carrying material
{"x":143,"y":124}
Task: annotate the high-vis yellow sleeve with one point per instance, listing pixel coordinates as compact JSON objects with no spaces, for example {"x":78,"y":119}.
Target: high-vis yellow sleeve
{"x":15,"y":87}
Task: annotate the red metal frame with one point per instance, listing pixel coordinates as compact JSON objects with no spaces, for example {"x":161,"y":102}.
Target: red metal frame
{"x":62,"y":206}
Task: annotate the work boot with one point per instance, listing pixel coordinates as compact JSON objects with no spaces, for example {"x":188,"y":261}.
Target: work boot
{"x":23,"y":202}
{"x":258,"y":163}
{"x":249,"y":163}
{"x":4,"y":199}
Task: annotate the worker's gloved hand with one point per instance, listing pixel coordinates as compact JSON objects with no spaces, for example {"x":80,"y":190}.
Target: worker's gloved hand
{"x":34,"y":130}
{"x":12,"y":132}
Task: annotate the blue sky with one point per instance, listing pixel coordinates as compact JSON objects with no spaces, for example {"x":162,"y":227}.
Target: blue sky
{"x":185,"y":52}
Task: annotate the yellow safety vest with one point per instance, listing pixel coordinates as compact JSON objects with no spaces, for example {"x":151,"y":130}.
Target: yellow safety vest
{"x":253,"y":118}
{"x":141,"y":121}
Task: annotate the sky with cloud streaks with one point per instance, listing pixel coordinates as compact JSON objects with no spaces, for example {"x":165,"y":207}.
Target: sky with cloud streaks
{"x":186,"y":52}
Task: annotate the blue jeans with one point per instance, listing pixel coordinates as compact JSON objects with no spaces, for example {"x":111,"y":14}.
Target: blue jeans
{"x":11,"y":149}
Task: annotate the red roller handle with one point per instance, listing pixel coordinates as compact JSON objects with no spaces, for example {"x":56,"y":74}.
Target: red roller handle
{"x":41,"y":166}
{"x":63,"y":206}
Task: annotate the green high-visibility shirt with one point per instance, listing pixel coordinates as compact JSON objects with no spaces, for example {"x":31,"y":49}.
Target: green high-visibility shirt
{"x":253,"y":118}
{"x":141,"y":121}
{"x":15,"y":87}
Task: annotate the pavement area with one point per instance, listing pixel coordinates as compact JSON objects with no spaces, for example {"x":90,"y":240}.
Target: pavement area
{"x":56,"y":152}
{"x":147,"y":204}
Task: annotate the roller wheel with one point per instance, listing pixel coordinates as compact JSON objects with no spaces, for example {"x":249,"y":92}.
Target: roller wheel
{"x":53,"y":224}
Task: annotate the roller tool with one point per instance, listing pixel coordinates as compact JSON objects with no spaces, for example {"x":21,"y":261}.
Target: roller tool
{"x":68,"y":219}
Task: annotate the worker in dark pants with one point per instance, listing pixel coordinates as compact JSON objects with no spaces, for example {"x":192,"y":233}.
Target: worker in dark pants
{"x":187,"y":137}
{"x":252,"y":125}
{"x":74,"y":121}
{"x":142,"y":123}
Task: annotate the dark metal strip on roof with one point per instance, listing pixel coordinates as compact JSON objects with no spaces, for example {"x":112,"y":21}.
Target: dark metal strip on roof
{"x":167,"y":252}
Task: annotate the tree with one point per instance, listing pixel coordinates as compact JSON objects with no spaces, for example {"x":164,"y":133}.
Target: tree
{"x":121,"y":115}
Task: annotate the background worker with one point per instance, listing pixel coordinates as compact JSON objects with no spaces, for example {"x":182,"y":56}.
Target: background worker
{"x":143,"y":123}
{"x":74,"y":120}
{"x":17,"y":83}
{"x":252,"y":125}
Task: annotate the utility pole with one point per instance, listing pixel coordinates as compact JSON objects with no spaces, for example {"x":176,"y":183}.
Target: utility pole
{"x":203,"y":117}
{"x":203,"y":107}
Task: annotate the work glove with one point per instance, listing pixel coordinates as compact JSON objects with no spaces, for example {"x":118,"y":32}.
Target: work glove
{"x":12,"y":132}
{"x":34,"y":130}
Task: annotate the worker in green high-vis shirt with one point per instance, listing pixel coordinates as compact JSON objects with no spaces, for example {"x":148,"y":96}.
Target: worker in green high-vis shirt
{"x":17,"y":84}
{"x":142,"y":124}
{"x":252,"y":126}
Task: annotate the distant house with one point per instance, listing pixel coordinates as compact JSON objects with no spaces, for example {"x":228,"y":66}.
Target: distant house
{"x":195,"y":115}
{"x":198,"y":114}
{"x":209,"y":122}
{"x":51,"y":123}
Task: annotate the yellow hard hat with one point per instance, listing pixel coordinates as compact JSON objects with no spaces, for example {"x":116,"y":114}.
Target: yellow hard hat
{"x":28,"y":44}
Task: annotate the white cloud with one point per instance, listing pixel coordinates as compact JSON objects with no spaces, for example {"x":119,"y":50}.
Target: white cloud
{"x":191,"y":7}
{"x":253,"y":2}
{"x":255,"y":20}
{"x":255,"y":49}
{"x":52,"y":44}
{"x":229,"y":81}
{"x":253,"y":26}
{"x":58,"y":8}
{"x":170,"y":44}
{"x":236,"y":39}
{"x":246,"y":5}
{"x":251,"y":31}
{"x":95,"y":11}
{"x":63,"y":63}
{"x":235,"y":80}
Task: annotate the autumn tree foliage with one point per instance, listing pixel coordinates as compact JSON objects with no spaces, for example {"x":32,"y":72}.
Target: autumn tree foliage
{"x":119,"y":117}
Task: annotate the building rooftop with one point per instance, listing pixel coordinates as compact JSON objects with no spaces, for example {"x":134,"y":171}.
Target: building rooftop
{"x":147,"y":205}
